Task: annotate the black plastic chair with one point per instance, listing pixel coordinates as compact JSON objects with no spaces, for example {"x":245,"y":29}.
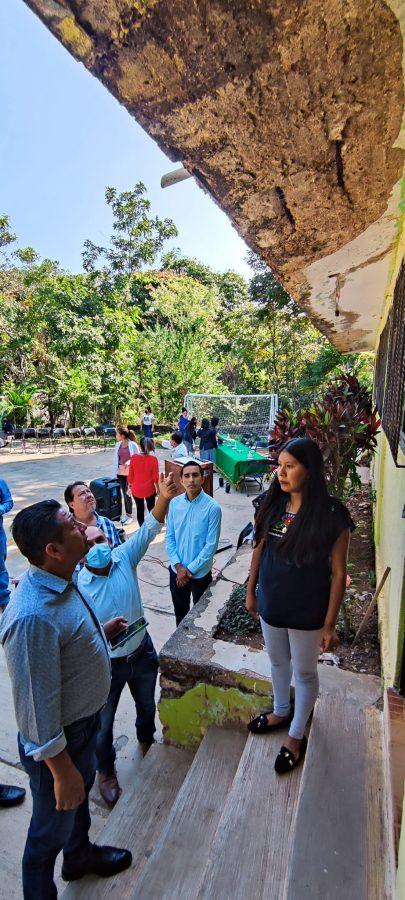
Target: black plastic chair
{"x":75,"y":434}
{"x":30,"y":435}
{"x":89,"y":434}
{"x":44,"y":438}
{"x":60,"y":438}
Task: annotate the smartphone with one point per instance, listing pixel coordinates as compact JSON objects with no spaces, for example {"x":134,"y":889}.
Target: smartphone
{"x":127,"y":633}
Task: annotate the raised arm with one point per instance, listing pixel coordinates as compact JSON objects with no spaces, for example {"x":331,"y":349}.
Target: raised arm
{"x":137,"y":545}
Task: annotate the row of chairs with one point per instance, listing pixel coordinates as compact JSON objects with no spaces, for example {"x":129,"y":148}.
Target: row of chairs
{"x":51,"y":439}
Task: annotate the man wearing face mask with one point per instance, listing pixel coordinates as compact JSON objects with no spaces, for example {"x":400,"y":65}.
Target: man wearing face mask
{"x":109,"y":580}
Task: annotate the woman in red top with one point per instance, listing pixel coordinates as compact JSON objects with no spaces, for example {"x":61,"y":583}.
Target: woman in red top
{"x":143,"y":477}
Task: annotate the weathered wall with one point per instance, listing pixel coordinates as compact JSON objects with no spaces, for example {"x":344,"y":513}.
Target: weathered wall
{"x":389,"y":484}
{"x":389,"y":524}
{"x":286,"y":112}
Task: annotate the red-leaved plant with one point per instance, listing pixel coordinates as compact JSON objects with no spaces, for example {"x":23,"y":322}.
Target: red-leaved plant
{"x":343,"y":424}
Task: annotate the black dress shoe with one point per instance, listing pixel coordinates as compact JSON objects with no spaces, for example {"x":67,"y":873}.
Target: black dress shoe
{"x":286,"y":761}
{"x":260,"y":724}
{"x":103,"y":861}
{"x":10,"y":795}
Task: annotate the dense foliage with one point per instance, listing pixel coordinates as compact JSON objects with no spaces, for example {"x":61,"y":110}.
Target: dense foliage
{"x":143,"y":326}
{"x":343,"y":424}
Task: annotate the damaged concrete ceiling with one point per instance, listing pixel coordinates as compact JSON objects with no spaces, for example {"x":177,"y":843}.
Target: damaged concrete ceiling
{"x":288,"y":112}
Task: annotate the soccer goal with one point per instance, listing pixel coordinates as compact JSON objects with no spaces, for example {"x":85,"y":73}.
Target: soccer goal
{"x":238,"y":414}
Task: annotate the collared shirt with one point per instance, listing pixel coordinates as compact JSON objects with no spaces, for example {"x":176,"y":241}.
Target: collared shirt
{"x":109,"y":529}
{"x":6,"y":500}
{"x":57,"y":658}
{"x":193,"y":529}
{"x":180,"y":450}
{"x":118,"y":594}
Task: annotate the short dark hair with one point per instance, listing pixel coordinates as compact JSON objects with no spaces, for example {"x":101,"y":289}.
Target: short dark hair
{"x":214,"y":421}
{"x":192,"y":462}
{"x":184,"y":409}
{"x":68,"y":495}
{"x":177,"y":437}
{"x":36,"y":526}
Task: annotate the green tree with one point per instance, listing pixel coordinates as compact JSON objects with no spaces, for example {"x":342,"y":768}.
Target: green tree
{"x":137,"y":238}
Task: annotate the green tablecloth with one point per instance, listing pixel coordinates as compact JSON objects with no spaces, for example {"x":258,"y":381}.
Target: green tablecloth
{"x":238,"y":460}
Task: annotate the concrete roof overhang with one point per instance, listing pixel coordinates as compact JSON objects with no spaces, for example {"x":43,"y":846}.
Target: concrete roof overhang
{"x":287,"y":112}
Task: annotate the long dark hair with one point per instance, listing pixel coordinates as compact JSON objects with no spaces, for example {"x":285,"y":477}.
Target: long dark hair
{"x":310,"y":536}
{"x":126,"y":433}
{"x":147,"y":445}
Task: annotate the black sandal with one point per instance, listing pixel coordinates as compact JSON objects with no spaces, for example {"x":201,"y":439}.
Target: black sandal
{"x":286,"y":761}
{"x":260,"y":725}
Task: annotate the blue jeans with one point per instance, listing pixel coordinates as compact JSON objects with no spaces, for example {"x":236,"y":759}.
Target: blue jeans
{"x":4,"y":579}
{"x":140,"y":675}
{"x":207,"y":455}
{"x":51,"y":831}
{"x":147,"y":431}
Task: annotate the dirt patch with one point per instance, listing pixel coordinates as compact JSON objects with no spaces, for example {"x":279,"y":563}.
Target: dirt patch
{"x":237,"y":626}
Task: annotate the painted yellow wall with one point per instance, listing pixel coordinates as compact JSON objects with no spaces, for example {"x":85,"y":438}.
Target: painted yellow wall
{"x":389,"y":485}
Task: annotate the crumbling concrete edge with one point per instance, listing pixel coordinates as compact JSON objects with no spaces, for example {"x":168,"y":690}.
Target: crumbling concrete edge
{"x":206,"y":681}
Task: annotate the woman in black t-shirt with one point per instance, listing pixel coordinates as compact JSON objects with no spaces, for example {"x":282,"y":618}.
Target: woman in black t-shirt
{"x":208,"y":441}
{"x":299,"y":569}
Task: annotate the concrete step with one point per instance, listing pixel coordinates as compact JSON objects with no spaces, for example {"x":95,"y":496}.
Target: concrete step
{"x":341,"y":837}
{"x":176,"y":867}
{"x":252,"y":846}
{"x":136,"y":821}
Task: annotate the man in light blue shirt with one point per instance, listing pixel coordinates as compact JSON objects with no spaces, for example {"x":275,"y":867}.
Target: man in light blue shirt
{"x":59,"y":666}
{"x":109,"y":581}
{"x":193,"y":529}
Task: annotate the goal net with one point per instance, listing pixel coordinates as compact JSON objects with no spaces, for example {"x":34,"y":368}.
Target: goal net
{"x":251,"y":415}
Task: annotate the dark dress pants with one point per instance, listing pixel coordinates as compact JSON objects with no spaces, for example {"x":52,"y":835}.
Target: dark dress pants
{"x":124,"y":488}
{"x":51,"y":831}
{"x":140,"y":674}
{"x":140,"y":507}
{"x":181,"y":596}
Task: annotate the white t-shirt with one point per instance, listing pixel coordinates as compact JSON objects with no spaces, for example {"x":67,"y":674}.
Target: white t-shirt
{"x":148,"y":419}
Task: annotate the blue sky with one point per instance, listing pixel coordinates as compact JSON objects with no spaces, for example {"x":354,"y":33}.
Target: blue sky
{"x":64,"y":138}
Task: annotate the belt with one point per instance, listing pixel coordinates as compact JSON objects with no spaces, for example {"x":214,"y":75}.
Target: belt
{"x":115,"y":660}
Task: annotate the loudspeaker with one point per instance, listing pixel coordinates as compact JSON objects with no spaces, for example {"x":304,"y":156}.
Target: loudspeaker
{"x":107,"y":492}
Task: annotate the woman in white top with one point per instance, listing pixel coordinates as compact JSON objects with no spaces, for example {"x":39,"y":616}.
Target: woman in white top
{"x":147,"y":422}
{"x":124,"y":449}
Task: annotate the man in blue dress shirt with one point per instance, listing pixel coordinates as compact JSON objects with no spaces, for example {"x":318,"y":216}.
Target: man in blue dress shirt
{"x":109,"y":581}
{"x":193,"y":529}
{"x":58,"y":662}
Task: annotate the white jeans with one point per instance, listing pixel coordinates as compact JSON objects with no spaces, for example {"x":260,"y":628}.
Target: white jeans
{"x":293,"y":651}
